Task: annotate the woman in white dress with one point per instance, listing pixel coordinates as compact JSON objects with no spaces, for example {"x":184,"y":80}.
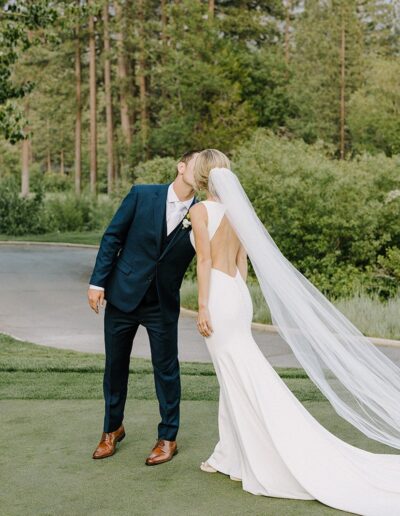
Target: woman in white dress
{"x":267,"y":439}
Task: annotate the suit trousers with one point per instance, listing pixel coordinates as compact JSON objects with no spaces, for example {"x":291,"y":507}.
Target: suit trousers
{"x":119,"y":331}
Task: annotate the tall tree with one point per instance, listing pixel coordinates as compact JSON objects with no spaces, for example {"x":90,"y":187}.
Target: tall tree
{"x":342,"y":86}
{"x":379,"y":19}
{"x":78,"y":115}
{"x":374,"y":109}
{"x":93,"y":99}
{"x":327,"y":69}
{"x":142,"y":72}
{"x":48,"y":148}
{"x":164,"y":38}
{"x":108,"y":98}
{"x":211,"y":9}
{"x":23,"y":24}
{"x":25,"y":156}
{"x":122,"y":73}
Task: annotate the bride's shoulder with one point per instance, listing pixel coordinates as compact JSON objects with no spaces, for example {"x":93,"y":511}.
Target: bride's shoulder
{"x":198,"y":211}
{"x":197,"y":207}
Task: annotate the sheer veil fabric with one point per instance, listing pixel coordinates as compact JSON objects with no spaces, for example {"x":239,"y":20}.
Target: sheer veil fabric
{"x":361,"y":383}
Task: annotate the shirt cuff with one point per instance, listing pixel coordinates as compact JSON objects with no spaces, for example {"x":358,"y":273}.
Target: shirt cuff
{"x":95,"y":287}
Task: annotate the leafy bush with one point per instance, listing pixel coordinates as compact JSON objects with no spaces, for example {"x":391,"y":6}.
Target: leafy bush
{"x":38,"y":213}
{"x":338,"y":222}
{"x":67,"y":212}
{"x":331,"y":219}
{"x":20,"y":215}
{"x":55,"y":182}
{"x":157,"y":170}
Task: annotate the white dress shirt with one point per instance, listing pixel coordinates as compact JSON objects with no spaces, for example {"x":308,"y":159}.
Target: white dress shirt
{"x":176,"y":211}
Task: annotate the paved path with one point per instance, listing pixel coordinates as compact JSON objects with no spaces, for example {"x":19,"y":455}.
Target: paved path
{"x":43,"y":299}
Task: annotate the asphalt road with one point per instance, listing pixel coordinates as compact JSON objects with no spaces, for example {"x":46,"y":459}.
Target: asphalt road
{"x":43,"y":299}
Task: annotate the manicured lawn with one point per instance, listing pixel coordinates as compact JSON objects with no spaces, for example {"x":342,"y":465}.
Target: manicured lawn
{"x":52,"y":412}
{"x":50,"y":470}
{"x":73,"y":237}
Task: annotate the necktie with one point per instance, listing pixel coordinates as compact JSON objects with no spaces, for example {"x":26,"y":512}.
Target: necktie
{"x":176,"y":216}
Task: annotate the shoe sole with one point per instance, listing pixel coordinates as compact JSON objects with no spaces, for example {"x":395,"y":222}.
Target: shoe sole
{"x":162,"y":461}
{"x":115,"y":449}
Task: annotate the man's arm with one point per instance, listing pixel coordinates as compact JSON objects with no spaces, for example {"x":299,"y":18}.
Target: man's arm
{"x":113,"y":239}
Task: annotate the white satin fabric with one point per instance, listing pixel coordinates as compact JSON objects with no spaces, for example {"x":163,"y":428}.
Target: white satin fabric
{"x":266,"y":436}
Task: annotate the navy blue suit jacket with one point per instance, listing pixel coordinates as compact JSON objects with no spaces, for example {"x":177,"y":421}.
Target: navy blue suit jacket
{"x":131,"y":254}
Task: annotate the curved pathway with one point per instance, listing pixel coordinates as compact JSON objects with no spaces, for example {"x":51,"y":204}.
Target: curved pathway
{"x":43,"y":299}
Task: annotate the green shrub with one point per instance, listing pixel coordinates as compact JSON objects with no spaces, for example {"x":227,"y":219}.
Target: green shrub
{"x":55,"y":182}
{"x":21,"y":215}
{"x":68,"y":212}
{"x":331,"y":219}
{"x":157,"y":170}
{"x":40,"y":213}
{"x":384,"y":276}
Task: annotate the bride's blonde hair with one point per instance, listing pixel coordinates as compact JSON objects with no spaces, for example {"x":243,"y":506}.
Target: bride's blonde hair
{"x":206,"y":160}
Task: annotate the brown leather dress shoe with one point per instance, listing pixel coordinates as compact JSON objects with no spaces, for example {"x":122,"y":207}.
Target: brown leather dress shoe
{"x":108,"y":443}
{"x":163,"y":451}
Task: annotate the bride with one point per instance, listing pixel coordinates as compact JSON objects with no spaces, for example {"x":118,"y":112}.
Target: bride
{"x":267,"y":439}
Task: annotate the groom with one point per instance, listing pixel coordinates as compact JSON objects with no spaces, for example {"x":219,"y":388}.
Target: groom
{"x":139,"y":268}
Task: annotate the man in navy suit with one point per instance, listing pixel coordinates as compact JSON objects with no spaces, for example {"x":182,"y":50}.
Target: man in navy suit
{"x":143,"y":256}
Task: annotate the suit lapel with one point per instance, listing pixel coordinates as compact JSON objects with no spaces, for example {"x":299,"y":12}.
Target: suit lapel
{"x":159,"y":212}
{"x":179,"y":233}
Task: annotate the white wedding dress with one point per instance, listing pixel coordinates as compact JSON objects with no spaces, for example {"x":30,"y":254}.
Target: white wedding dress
{"x":266,"y":436}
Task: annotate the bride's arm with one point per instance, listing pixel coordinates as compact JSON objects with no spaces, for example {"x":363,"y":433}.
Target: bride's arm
{"x":241,"y":261}
{"x":199,"y":219}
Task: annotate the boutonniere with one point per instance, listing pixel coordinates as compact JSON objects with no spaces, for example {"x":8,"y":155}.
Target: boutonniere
{"x":186,"y":221}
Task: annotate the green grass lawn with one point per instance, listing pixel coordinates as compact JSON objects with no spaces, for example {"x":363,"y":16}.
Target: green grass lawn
{"x":72,"y":237}
{"x":52,"y":412}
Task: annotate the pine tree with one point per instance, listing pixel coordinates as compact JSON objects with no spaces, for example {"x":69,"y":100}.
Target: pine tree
{"x":327,"y":69}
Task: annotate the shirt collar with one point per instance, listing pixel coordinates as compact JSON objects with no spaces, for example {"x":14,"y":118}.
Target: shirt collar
{"x":172,"y":197}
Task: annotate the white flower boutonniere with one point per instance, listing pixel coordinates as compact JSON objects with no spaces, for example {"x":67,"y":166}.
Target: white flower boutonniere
{"x":186,"y":223}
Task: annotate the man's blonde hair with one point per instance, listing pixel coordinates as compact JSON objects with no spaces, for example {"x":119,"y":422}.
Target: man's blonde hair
{"x":206,"y":160}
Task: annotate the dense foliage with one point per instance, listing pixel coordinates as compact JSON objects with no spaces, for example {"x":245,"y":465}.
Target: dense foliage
{"x":284,"y":88}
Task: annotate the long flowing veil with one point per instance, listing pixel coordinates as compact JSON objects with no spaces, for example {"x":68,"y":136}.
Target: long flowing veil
{"x":361,"y":383}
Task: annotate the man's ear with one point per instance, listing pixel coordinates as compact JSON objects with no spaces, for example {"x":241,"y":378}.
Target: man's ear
{"x":180,"y":168}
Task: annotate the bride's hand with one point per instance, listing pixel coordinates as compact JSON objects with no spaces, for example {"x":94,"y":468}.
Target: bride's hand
{"x":204,"y":322}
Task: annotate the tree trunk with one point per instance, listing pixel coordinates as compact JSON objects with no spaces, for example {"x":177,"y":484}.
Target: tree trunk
{"x":211,"y":9}
{"x":25,"y":158}
{"x":107,"y":87}
{"x":142,"y":77}
{"x":62,"y":168}
{"x":92,"y":102}
{"x":288,"y":8}
{"x":122,"y":73}
{"x":342,"y":88}
{"x":78,"y":116}
{"x":48,"y":153}
{"x":164,"y":39}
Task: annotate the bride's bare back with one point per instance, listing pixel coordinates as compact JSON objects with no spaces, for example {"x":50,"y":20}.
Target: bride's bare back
{"x":226,"y":251}
{"x":225,"y":247}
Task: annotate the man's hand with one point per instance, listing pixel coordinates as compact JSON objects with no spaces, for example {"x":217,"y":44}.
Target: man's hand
{"x":96,"y":299}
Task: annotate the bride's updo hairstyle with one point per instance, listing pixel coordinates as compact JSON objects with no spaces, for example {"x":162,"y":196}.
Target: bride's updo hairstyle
{"x":206,"y":160}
